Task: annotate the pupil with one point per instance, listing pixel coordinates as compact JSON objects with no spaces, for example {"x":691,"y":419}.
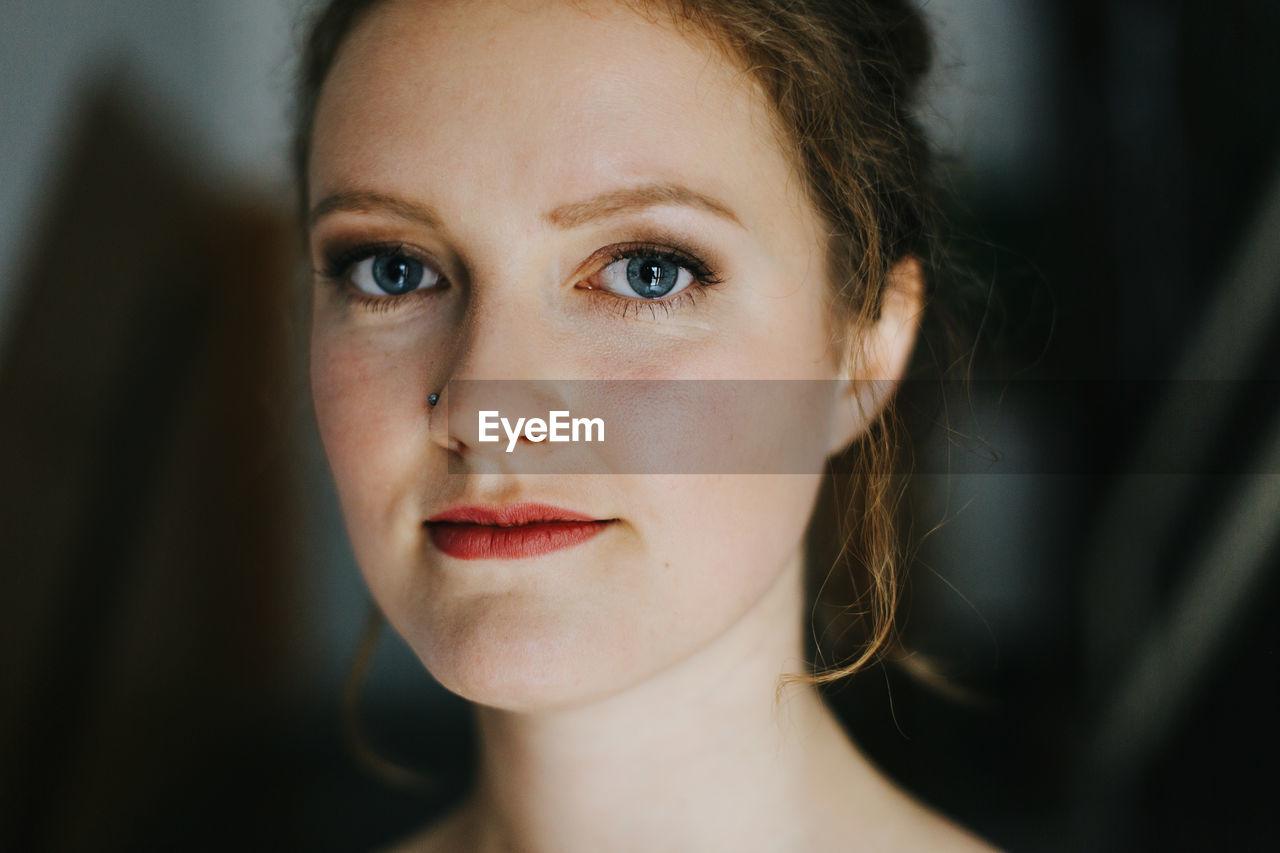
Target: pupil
{"x":396,"y":274}
{"x":652,"y":277}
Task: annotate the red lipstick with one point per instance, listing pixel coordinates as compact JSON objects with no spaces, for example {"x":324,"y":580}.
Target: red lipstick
{"x":512,"y":532}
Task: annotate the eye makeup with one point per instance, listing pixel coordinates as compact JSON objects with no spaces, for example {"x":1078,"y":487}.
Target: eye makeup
{"x":341,"y":261}
{"x":701,"y":274}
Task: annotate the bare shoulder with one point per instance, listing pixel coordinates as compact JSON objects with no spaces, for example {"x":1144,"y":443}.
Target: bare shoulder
{"x":445,"y":834}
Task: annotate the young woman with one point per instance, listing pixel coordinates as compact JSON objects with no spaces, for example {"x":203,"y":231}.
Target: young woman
{"x":620,"y":191}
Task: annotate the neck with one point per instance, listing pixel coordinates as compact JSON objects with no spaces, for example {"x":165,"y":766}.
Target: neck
{"x":705,"y":755}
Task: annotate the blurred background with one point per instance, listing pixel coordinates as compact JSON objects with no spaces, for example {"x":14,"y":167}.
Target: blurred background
{"x":179,"y":611}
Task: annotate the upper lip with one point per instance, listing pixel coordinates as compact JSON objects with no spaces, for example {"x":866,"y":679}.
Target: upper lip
{"x":510,"y":515}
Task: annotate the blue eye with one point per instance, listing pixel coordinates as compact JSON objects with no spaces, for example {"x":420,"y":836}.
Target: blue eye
{"x":391,"y":273}
{"x":646,"y":276}
{"x":652,"y":277}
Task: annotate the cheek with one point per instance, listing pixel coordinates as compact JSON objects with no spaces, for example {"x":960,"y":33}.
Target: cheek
{"x":789,"y":334}
{"x":344,"y":381}
{"x":728,"y":537}
{"x":370,"y":414}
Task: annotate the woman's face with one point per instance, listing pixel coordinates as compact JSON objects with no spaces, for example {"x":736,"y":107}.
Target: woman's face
{"x":503,"y":164}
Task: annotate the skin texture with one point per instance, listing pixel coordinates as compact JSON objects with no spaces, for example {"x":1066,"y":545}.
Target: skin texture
{"x":624,"y":688}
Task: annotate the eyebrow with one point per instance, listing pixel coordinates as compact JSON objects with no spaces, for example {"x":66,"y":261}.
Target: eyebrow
{"x":572,"y":215}
{"x":362,"y":202}
{"x":613,"y":202}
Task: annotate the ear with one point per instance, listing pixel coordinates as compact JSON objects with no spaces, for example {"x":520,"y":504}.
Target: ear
{"x":876,"y":355}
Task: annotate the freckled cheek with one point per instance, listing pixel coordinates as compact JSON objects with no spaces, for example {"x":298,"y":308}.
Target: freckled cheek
{"x":366,"y":405}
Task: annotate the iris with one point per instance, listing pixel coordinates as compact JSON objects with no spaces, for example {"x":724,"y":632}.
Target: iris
{"x":652,"y":277}
{"x":396,"y":274}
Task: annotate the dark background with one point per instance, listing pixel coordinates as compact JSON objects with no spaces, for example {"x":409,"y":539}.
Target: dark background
{"x":178,"y":609}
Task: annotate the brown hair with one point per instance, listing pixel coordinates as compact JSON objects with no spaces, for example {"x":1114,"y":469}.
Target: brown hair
{"x":842,"y":77}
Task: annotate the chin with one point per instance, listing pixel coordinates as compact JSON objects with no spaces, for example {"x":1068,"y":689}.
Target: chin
{"x":513,"y":654}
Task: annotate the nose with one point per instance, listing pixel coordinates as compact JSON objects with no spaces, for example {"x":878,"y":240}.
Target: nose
{"x":509,"y":358}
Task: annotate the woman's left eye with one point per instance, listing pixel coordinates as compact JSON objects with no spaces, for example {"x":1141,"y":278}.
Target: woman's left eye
{"x":645,"y":276}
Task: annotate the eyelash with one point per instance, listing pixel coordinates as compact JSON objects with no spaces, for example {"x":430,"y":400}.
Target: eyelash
{"x":703,"y":277}
{"x":338,"y":266}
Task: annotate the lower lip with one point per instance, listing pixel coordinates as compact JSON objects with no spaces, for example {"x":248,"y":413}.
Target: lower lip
{"x":490,"y":542}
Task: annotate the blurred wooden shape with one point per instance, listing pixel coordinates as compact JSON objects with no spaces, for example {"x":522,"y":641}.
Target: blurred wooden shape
{"x":148,"y":496}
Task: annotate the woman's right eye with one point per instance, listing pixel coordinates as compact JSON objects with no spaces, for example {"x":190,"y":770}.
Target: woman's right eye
{"x":391,"y":274}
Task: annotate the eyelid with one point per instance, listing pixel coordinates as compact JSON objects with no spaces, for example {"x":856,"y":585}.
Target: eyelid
{"x":705,"y":279}
{"x":703,"y":273}
{"x":341,"y":256}
{"x":339,"y":260}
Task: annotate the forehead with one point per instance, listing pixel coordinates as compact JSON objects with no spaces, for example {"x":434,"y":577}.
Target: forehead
{"x":540,"y":103}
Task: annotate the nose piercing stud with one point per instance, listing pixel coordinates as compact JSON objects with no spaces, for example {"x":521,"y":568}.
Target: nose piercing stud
{"x":433,"y":398}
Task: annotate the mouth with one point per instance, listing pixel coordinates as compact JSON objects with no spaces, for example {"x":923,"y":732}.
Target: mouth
{"x":513,"y":532}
